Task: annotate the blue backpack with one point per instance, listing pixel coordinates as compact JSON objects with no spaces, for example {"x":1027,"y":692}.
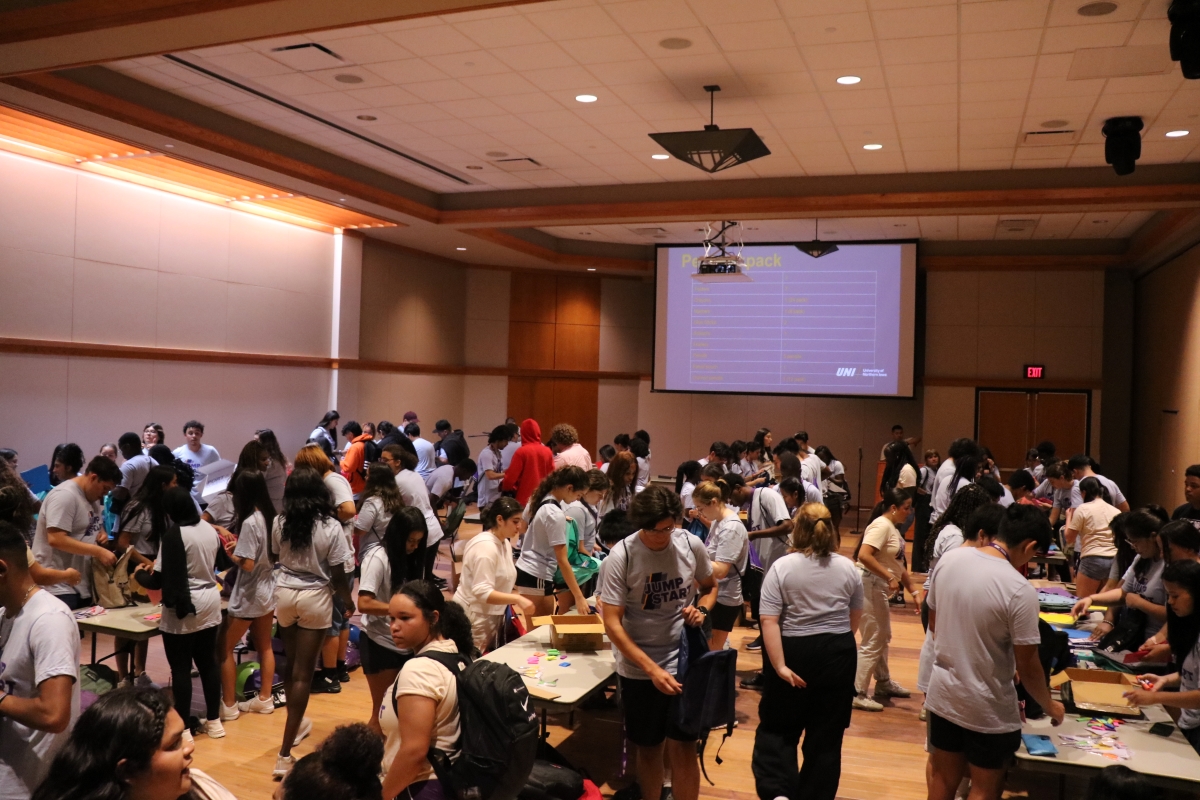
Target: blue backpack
{"x":709,"y":691}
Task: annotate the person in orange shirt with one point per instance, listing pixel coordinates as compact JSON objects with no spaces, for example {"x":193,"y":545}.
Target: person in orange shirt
{"x":354,"y":462}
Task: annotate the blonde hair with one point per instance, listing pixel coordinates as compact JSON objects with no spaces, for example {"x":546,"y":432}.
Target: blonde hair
{"x":814,"y":533}
{"x":707,"y":492}
{"x":313,"y":457}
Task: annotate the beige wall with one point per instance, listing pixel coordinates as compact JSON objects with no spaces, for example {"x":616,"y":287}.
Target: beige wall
{"x":1166,"y":397}
{"x":84,"y":258}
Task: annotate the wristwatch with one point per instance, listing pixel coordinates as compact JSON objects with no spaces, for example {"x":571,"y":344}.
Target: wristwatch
{"x":702,"y":610}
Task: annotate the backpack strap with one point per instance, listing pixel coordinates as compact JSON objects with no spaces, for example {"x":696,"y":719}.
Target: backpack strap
{"x":450,"y":661}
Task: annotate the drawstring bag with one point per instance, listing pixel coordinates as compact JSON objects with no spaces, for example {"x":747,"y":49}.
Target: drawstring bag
{"x":110,"y":585}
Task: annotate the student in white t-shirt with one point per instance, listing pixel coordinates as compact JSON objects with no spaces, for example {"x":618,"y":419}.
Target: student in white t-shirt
{"x":1082,"y":467}
{"x":70,"y":532}
{"x":443,"y":480}
{"x":399,"y":558}
{"x":489,"y":576}
{"x":380,"y":500}
{"x":687,"y":477}
{"x":586,"y":511}
{"x":195,"y":453}
{"x":39,"y":686}
{"x":136,"y":465}
{"x":422,"y":705}
{"x":728,"y":549}
{"x":310,"y":548}
{"x":191,"y":604}
{"x":1091,"y":525}
{"x":415,"y":493}
{"x":252,"y":601}
{"x":491,"y":465}
{"x":426,"y":451}
{"x":544,"y":546}
{"x":988,"y":634}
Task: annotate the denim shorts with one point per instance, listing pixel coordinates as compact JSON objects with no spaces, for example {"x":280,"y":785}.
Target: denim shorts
{"x":341,"y":620}
{"x":1095,"y":567}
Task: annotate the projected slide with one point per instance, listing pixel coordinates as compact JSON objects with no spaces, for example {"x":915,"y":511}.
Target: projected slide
{"x":789,"y":323}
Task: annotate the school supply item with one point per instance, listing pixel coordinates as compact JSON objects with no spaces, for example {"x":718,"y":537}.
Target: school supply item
{"x":89,"y":612}
{"x":499,"y":738}
{"x":1039,"y":745}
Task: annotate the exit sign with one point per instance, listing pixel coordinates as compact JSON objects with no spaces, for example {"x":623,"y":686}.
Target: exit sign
{"x":1034,"y":372}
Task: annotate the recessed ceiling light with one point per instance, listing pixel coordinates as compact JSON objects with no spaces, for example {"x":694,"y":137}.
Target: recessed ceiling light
{"x":872,"y":147}
{"x":1055,"y":123}
{"x":591,"y":269}
{"x":460,"y":248}
{"x":168,"y":145}
{"x":1096,"y":9}
{"x":849,"y":80}
{"x":348,"y":78}
{"x":586,"y":98}
{"x":367,"y":118}
{"x":675,"y":43}
{"x":1176,"y":134}
{"x":473,"y":166}
{"x":341,"y":199}
{"x":660,"y":156}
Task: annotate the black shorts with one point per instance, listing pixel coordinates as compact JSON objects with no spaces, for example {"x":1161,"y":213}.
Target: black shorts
{"x":533,"y":587}
{"x":723,"y":617}
{"x":649,"y":715}
{"x":376,"y":658}
{"x":983,"y":750}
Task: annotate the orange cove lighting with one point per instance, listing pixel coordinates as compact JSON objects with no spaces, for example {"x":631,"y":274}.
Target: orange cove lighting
{"x":46,"y":140}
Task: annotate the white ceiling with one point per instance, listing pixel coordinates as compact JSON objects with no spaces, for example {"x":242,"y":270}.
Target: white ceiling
{"x":1101,"y":225}
{"x":945,"y":86}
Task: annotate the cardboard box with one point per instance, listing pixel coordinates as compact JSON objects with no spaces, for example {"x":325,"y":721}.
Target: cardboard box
{"x":574,"y":632}
{"x":1102,"y":691}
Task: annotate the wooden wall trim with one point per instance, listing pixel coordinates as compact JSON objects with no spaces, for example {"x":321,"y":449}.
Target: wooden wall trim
{"x":82,"y":16}
{"x":1022,"y":263}
{"x":1012,"y":383}
{"x":520,"y":245}
{"x":42,"y":347}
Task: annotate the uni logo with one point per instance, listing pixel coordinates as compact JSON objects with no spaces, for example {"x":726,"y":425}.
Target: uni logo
{"x":846,"y":372}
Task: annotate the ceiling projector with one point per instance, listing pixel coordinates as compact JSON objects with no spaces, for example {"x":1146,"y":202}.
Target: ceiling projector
{"x":718,"y":265}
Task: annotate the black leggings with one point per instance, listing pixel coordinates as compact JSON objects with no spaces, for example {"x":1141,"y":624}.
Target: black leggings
{"x":820,"y":712}
{"x":182,"y":650}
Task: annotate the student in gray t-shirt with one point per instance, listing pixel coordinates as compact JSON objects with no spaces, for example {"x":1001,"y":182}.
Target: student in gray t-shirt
{"x":649,"y":581}
{"x":728,"y":548}
{"x":1141,"y":586}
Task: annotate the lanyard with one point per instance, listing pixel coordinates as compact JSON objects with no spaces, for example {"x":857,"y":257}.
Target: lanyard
{"x":999,"y":549}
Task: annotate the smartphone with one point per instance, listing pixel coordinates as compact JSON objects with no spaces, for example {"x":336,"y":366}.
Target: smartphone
{"x":1163,"y":729}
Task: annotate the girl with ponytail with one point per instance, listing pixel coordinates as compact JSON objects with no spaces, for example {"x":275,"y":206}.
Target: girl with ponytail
{"x":485,"y":588}
{"x":544,"y":548}
{"x":728,"y":547}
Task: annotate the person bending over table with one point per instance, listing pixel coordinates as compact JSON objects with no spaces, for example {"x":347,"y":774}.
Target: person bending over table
{"x":647,"y":586}
{"x":1182,"y":581}
{"x":1091,"y":524}
{"x":1141,"y":588}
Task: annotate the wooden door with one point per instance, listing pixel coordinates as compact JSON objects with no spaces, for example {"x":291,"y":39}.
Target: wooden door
{"x":1002,"y":424}
{"x":1062,"y":418}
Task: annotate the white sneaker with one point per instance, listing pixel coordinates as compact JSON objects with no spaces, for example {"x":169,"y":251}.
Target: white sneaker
{"x":256,"y":705}
{"x":229,"y":713}
{"x":864,"y":703}
{"x":891,"y":689}
{"x":143,"y":682}
{"x":214,"y":729}
{"x":283,"y":765}
{"x":305,"y":730}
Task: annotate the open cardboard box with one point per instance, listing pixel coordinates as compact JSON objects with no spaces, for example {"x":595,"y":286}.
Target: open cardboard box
{"x":574,"y":632}
{"x":1101,"y":691}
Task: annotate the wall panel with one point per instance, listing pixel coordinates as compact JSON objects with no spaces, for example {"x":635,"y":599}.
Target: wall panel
{"x":576,"y":346}
{"x":531,"y":345}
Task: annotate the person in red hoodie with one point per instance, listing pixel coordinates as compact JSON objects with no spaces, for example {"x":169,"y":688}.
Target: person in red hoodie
{"x":532,"y":462}
{"x":354,"y":462}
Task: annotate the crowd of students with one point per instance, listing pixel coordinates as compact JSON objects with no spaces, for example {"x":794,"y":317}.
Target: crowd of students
{"x":286,"y":541}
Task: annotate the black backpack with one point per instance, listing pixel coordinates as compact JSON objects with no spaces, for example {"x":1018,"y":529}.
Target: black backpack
{"x":499,"y":731}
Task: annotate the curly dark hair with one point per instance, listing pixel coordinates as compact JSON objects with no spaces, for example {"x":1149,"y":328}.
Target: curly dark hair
{"x":345,"y":766}
{"x":306,"y":500}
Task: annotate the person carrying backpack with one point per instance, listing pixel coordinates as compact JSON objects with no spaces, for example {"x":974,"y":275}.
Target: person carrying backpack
{"x":454,"y":729}
{"x":647,"y":586}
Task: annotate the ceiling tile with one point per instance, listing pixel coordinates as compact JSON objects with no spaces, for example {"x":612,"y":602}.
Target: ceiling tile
{"x":1167,"y":82}
{"x":932,"y":143}
{"x":441,"y":90}
{"x":296,"y":84}
{"x":1069,"y":39}
{"x":1002,"y":109}
{"x":526,"y":103}
{"x":837,"y":56}
{"x":890,"y":5}
{"x":384,"y":96}
{"x":576,"y":78}
{"x":935,"y":74}
{"x":652,"y":15}
{"x":991,"y":127}
{"x":702,"y":43}
{"x":534,"y":56}
{"x":1006,"y":44}
{"x":909,"y":23}
{"x":722,"y":12}
{"x":249,"y":64}
{"x":832,"y":28}
{"x":468,"y":64}
{"x":445,"y":127}
{"x":736,"y":36}
{"x":1065,"y":12}
{"x":924,"y":96}
{"x":985,"y":141}
{"x":861,"y":116}
{"x":647,"y":93}
{"x":992,"y":69}
{"x":872,"y":78}
{"x":777,"y":84}
{"x":1150,"y":31}
{"x":410,"y":70}
{"x":925,"y":130}
{"x":563,"y":24}
{"x":866,"y":98}
{"x":604,"y":49}
{"x":768,"y":62}
{"x":369,"y":49}
{"x":1059,"y":87}
{"x":1002,"y":15}
{"x":501,"y":31}
{"x":945,"y":228}
{"x":473,"y":107}
{"x":922,"y":50}
{"x":994,"y":91}
{"x":941,"y":113}
{"x":620,"y":73}
{"x":434,"y":40}
{"x":499,"y":85}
